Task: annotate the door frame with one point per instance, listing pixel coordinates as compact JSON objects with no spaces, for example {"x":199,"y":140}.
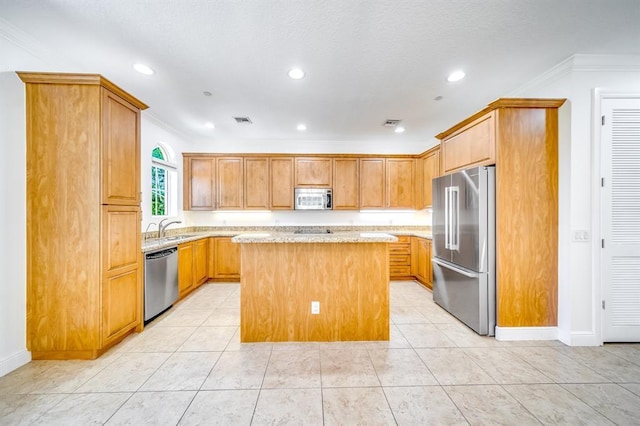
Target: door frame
{"x":596,"y":208}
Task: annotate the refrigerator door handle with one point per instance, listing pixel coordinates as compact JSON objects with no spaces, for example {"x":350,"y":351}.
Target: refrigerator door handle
{"x":454,"y":212}
{"x":453,"y":268}
{"x":447,"y":218}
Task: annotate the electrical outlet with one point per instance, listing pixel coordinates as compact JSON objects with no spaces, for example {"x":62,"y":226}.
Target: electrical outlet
{"x":315,"y":307}
{"x":580,"y":236}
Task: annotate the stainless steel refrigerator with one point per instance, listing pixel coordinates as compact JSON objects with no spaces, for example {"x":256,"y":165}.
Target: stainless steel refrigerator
{"x":464,"y":247}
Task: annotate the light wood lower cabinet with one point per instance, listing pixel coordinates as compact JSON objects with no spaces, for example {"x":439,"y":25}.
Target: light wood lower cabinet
{"x":185,"y":269}
{"x":192,"y":265}
{"x":400,"y":258}
{"x":226,"y":265}
{"x":421,"y":261}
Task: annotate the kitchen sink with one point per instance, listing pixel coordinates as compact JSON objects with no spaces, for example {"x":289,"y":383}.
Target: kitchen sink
{"x":177,"y":237}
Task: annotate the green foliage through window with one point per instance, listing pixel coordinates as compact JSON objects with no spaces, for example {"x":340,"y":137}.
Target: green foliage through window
{"x":158,"y":153}
{"x":158,"y":185}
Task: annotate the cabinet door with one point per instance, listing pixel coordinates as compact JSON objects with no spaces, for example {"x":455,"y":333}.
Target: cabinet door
{"x":423,"y":260}
{"x":122,"y":271}
{"x":200,"y":261}
{"x":227,"y":265}
{"x":430,"y":169}
{"x":372,"y":183}
{"x":346,"y":184}
{"x":400,"y":190}
{"x":229,"y":183}
{"x":473,"y":145}
{"x":120,"y":151}
{"x":185,"y":269}
{"x":429,"y":268}
{"x":313,"y":172}
{"x":281,"y":173}
{"x":256,"y":183}
{"x":199,"y":188}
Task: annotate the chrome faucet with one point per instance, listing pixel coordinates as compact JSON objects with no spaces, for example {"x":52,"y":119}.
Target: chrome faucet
{"x":146,"y":232}
{"x":162,"y":226}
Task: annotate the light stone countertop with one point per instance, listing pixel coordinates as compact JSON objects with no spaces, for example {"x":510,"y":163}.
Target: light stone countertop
{"x":178,"y":236}
{"x":335,"y":237}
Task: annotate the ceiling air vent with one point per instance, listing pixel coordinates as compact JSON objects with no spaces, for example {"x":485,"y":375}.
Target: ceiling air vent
{"x":391,"y":123}
{"x":242,"y":120}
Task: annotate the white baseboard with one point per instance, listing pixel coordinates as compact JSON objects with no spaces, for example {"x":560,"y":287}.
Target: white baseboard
{"x":14,"y":361}
{"x":582,"y":338}
{"x":526,"y":333}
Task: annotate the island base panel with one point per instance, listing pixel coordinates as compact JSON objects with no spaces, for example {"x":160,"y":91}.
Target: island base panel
{"x":279,"y":282}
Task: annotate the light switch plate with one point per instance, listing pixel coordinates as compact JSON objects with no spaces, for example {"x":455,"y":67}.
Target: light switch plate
{"x":315,"y":307}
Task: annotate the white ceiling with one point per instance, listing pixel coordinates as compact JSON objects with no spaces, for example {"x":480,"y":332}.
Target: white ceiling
{"x":366,"y":60}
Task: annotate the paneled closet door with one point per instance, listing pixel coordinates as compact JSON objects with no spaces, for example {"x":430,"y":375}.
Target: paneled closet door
{"x":620,"y":216}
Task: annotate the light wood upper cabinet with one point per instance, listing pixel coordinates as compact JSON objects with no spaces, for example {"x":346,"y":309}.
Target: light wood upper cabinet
{"x":256,"y":183}
{"x":83,"y":189}
{"x":281,"y":182}
{"x":121,"y":145}
{"x":199,"y":183}
{"x":472,"y":145}
{"x":229,"y":183}
{"x":313,"y":172}
{"x":372,"y":183}
{"x":429,"y":166}
{"x":400,"y":188}
{"x":346,"y":184}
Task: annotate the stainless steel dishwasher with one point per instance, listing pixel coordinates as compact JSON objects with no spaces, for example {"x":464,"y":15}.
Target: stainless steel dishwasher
{"x":160,"y":281}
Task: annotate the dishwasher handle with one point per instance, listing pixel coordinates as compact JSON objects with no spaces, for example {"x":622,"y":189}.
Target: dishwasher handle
{"x":161,"y":254}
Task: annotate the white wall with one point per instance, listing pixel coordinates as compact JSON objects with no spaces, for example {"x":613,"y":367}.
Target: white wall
{"x":152,"y":134}
{"x":13,"y":311}
{"x":579,"y":283}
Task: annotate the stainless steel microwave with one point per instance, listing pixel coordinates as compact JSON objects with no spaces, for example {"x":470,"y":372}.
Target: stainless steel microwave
{"x":313,"y":199}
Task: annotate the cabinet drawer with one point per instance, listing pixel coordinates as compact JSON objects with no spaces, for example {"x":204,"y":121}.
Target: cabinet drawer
{"x":403,"y":239}
{"x":399,"y":271}
{"x":395,"y":249}
{"x":400,"y":260}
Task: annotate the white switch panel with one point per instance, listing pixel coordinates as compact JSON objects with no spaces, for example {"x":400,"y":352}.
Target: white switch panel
{"x":315,"y":307}
{"x":580,"y":236}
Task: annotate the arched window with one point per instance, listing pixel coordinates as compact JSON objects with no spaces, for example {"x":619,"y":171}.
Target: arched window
{"x":163,"y":183}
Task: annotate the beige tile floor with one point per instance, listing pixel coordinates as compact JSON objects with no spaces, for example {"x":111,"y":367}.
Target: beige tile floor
{"x":188,"y":367}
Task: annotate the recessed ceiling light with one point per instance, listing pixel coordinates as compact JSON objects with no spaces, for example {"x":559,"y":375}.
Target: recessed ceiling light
{"x":437,"y":98}
{"x":456,"y":76}
{"x":399,"y":129}
{"x":296,"y":73}
{"x":207,"y":93}
{"x":144,"y":69}
{"x":301,"y":127}
{"x":209,"y":125}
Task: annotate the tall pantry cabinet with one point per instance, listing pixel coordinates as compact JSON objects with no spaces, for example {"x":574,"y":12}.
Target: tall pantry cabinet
{"x":84,"y":263}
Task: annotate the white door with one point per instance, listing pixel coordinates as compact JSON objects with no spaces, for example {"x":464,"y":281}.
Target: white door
{"x":620,"y":215}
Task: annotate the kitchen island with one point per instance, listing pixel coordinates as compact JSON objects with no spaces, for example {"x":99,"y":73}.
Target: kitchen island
{"x":283,"y":274}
